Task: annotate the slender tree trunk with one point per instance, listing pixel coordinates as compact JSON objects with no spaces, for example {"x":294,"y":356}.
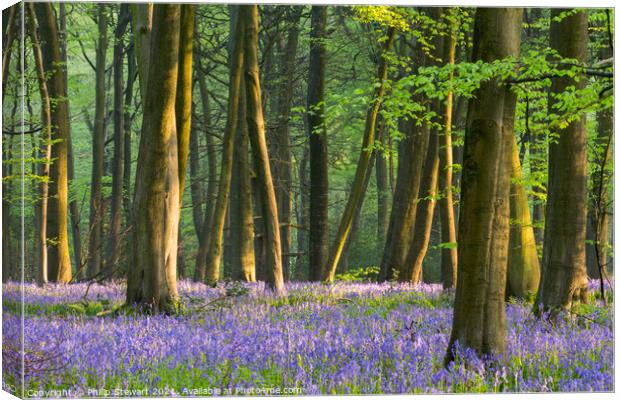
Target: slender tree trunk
{"x":523,"y":264}
{"x":318,"y":247}
{"x":362,"y":164}
{"x":131,"y":77}
{"x":564,"y":280}
{"x":203,"y":240}
{"x":195,"y":179}
{"x":46,"y":148}
{"x":214,"y":247}
{"x":256,"y":132}
{"x":242,"y":212}
{"x":152,"y":280}
{"x":479,"y":308}
{"x":73,"y":204}
{"x":446,"y":202}
{"x":283,"y":161}
{"x":343,"y":265}
{"x":383,"y":189}
{"x":118,"y":163}
{"x":95,"y":229}
{"x":412,"y":269}
{"x":59,"y":261}
{"x":302,"y":210}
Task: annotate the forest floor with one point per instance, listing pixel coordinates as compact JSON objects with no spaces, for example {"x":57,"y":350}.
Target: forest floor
{"x":239,"y":339}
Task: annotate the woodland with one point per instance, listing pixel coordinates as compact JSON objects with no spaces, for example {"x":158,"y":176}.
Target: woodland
{"x":211,"y":199}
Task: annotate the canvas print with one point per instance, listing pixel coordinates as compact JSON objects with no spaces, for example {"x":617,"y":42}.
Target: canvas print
{"x":306,"y":199}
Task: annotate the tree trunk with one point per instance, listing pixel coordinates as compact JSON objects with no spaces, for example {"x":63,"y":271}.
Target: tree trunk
{"x":214,"y":246}
{"x":95,"y":226}
{"x":131,"y":77}
{"x":152,"y":280}
{"x":256,"y":132}
{"x":383,"y":189}
{"x":142,"y":26}
{"x":118,"y":163}
{"x":242,"y":212}
{"x":425,"y":204}
{"x":183,"y":105}
{"x":523,"y":264}
{"x":46,"y":148}
{"x":446,"y":202}
{"x":195,"y":179}
{"x":564,"y":280}
{"x":318,"y":247}
{"x":362,"y":164}
{"x":283,"y":162}
{"x":73,"y":204}
{"x":479,"y":308}
{"x":302,"y":211}
{"x":59,"y":261}
{"x":201,"y":259}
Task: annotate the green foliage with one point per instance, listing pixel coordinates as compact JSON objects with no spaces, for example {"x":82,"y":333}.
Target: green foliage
{"x":362,"y":274}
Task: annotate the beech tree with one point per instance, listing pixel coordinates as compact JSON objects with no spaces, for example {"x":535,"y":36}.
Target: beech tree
{"x":59,"y":261}
{"x":152,"y":279}
{"x":256,"y":132}
{"x":479,"y":309}
{"x":564,"y":279}
{"x":318,"y":247}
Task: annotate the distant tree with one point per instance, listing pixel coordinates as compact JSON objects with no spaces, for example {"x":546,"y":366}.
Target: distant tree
{"x":95,"y":225}
{"x":118,"y":162}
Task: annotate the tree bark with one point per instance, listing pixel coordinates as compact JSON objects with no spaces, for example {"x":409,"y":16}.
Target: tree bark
{"x":383,"y":189}
{"x":142,"y":26}
{"x":256,"y":132}
{"x":73,"y":204}
{"x":95,"y":226}
{"x":242,"y":212}
{"x":523,"y":263}
{"x":479,"y":309}
{"x":8,"y":37}
{"x":46,"y":148}
{"x":412,"y":269}
{"x":282,"y":165}
{"x":118,"y":163}
{"x":362,"y":164}
{"x":214,"y":247}
{"x":152,"y":281}
{"x":59,"y":261}
{"x":183,"y":105}
{"x":446,"y":202}
{"x":203,"y":240}
{"x":318,"y":247}
{"x":564,"y":279}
